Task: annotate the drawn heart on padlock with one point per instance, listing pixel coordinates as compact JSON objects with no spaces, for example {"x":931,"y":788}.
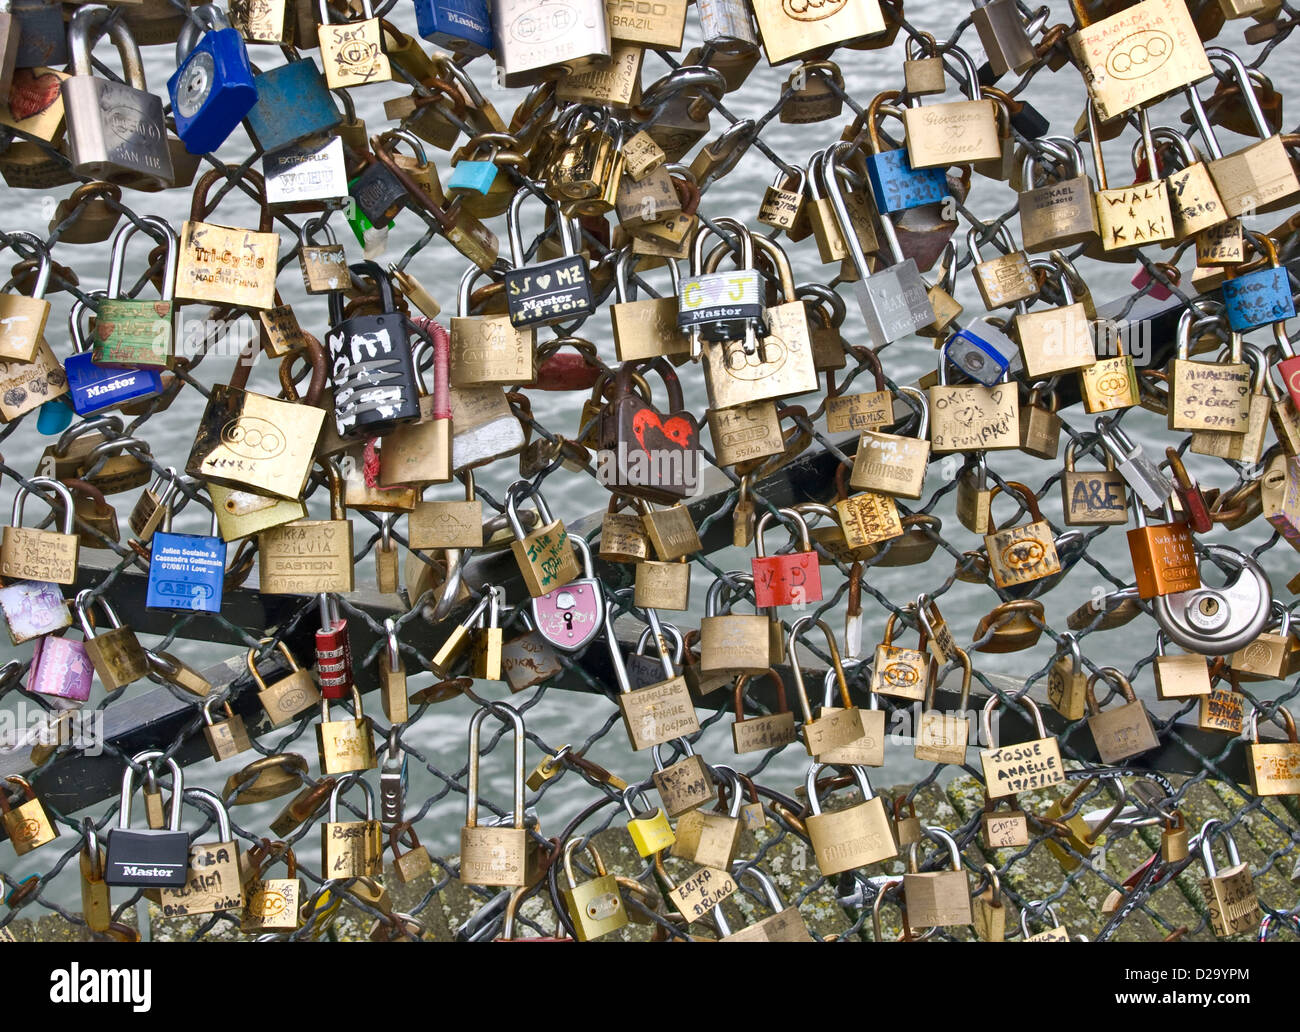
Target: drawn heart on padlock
{"x":104,"y":330}
{"x":676,"y":429}
{"x":543,"y":281}
{"x":31,"y":94}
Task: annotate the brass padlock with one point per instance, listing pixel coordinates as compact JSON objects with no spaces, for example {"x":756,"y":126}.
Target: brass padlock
{"x":1010,"y":769}
{"x":496,"y":854}
{"x":1067,"y":684}
{"x":352,"y":849}
{"x":898,"y":672}
{"x":27,"y":824}
{"x":290,"y":695}
{"x":1124,"y":731}
{"x":936,"y":898}
{"x":1274,"y":766}
{"x":1021,"y":554}
{"x":1230,"y":894}
{"x":942,"y":737}
{"x":345,"y":745}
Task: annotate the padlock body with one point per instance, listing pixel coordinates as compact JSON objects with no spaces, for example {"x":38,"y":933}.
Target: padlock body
{"x":145,"y":857}
{"x":212,"y":90}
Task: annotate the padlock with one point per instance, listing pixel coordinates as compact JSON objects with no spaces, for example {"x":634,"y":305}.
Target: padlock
{"x":1005,"y":39}
{"x":284,"y":550}
{"x":116,"y":654}
{"x":650,"y":831}
{"x":1007,"y":829}
{"x":148,"y":858}
{"x":1124,"y":731}
{"x":1260,"y":177}
{"x":345,"y":745}
{"x":1151,"y":488}
{"x":1218,"y":620}
{"x":353,"y":53}
{"x":1055,"y":933}
{"x":22,"y":319}
{"x":293,"y":102}
{"x":496,"y":854}
{"x":720,"y":307}
{"x":684,"y":785}
{"x":375,"y":389}
{"x":711,"y":838}
{"x":955,"y":132}
{"x":1247,"y":447}
{"x":972,"y":417}
{"x":33,"y":609}
{"x":1173,"y":839}
{"x":1132,"y":216}
{"x":287,"y":697}
{"x":833,"y":728}
{"x":1268,"y":656}
{"x":1095,"y":498}
{"x":1208,"y":396}
{"x":40,"y":555}
{"x":226,"y":737}
{"x":855,"y":836}
{"x":646,"y":451}
{"x":1182,"y":676}
{"x":1062,"y":212}
{"x":203,"y":271}
{"x":784,"y":924}
{"x":351,"y":849}
{"x":898,"y":672}
{"x":1112,"y":54}
{"x":445,"y":658}
{"x":528,"y":39}
{"x":864,"y":411}
{"x":892,"y":463}
{"x":460,"y":26}
{"x":867,"y":751}
{"x":129,"y":332}
{"x":732,"y":643}
{"x":936,"y":898}
{"x":1055,"y":340}
{"x":546,"y":556}
{"x":1012,"y":768}
{"x":1021,"y":554}
{"x":1067,"y":684}
{"x":27,"y":824}
{"x":645,"y":328}
{"x":271,"y":904}
{"x":1164,"y":556}
{"x":212,"y":88}
{"x":212,"y":878}
{"x":1274,"y":766}
{"x":596,"y":906}
{"x":782,"y":580}
{"x":1193,"y":200}
{"x":658,"y":712}
{"x":1229,"y":895}
{"x":942,"y":737}
{"x":131,"y":148}
{"x":894,"y":301}
{"x":186,"y":571}
{"x":420,"y":453}
{"x":1078,"y":838}
{"x":1259,"y":297}
{"x":1006,"y":279}
{"x":485,"y":659}
{"x":487,"y":349}
{"x":770,"y":731}
{"x":983,"y":350}
{"x":783,"y":203}
{"x":333,"y":651}
{"x":895,"y":184}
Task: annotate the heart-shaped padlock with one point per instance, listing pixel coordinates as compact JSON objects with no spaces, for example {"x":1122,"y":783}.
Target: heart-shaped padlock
{"x":572,"y":615}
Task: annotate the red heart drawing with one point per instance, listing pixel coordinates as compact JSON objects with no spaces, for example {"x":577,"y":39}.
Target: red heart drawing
{"x":31,"y":94}
{"x":676,"y":429}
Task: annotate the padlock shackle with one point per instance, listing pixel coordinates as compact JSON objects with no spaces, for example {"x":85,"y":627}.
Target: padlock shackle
{"x":1027,"y":496}
{"x":626,"y":263}
{"x":128,"y":787}
{"x":963,"y":658}
{"x":218,"y":808}
{"x":45,"y":263}
{"x":1041,"y":910}
{"x":810,"y":784}
{"x":942,"y":838}
{"x":45,"y":483}
{"x":1209,"y":830}
{"x":359,"y":270}
{"x":792,"y":650}
{"x":995,"y":700}
{"x":205,"y":17}
{"x":1287,"y":722}
{"x":341,"y":786}
{"x":1113,"y":676}
{"x":471,"y":783}
{"x":782,"y":706}
{"x":567,"y":242}
{"x":89,"y":23}
{"x":670,"y":631}
{"x":117,"y":256}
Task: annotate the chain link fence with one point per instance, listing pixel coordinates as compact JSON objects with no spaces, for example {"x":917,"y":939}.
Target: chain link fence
{"x":1158,"y":900}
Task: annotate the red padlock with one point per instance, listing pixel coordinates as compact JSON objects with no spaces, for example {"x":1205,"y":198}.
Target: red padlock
{"x":333,"y":652}
{"x":576,"y":370}
{"x":784,"y":580}
{"x":1196,"y":514}
{"x":1289,"y":367}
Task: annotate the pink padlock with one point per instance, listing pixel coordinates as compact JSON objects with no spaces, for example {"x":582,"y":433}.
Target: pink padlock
{"x":571,"y":616}
{"x":61,"y":669}
{"x":34,"y":608}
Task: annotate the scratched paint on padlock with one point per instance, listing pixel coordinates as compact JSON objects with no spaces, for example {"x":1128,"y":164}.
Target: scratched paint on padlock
{"x":362,"y":372}
{"x":787,"y":580}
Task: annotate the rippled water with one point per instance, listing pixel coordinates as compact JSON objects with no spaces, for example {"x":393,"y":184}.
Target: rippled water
{"x":561,"y":717}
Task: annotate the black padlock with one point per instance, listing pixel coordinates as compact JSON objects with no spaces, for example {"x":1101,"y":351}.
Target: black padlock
{"x":378,"y":193}
{"x":375,"y":389}
{"x":145,"y":856}
{"x":546,"y":292}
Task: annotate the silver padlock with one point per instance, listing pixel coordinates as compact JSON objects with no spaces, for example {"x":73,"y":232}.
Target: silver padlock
{"x":115,"y":131}
{"x":1217,"y":621}
{"x":894,"y":301}
{"x":1151,"y":486}
{"x":533,"y":35}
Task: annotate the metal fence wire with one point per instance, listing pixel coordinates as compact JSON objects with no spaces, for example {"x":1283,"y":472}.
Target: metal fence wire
{"x":1115,"y":884}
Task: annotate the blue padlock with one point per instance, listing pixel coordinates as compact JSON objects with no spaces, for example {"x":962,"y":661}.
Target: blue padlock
{"x":472,"y":175}
{"x":54,"y":417}
{"x":983,"y":352}
{"x":1259,"y":298}
{"x":896,"y":184}
{"x":212,"y":88}
{"x":95,"y":388}
{"x":293,"y":103}
{"x":186,"y":571}
{"x":461,"y":26}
